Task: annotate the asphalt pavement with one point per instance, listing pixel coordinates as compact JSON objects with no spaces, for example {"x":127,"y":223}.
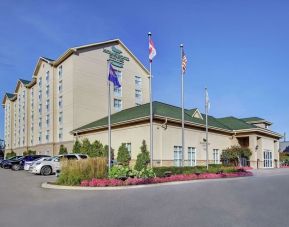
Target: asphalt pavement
{"x":261,"y":200}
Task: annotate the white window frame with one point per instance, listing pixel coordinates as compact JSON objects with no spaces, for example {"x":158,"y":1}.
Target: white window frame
{"x":216,"y":156}
{"x":178,"y":155}
{"x":117,"y":104}
{"x":192,"y":156}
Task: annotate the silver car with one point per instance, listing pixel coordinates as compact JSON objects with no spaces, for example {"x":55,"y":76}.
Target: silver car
{"x":51,"y":165}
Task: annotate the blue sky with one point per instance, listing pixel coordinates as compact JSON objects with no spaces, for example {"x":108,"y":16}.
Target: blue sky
{"x":238,"y":49}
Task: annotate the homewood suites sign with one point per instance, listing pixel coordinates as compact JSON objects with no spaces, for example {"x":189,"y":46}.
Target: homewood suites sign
{"x":115,"y":56}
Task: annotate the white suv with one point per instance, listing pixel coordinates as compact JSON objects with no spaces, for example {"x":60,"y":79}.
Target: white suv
{"x":51,"y":165}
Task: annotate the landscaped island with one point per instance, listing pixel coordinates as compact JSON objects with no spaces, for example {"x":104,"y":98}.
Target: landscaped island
{"x":93,"y":172}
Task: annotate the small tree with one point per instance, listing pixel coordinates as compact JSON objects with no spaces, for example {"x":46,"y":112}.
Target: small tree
{"x":233,"y":154}
{"x":143,"y":158}
{"x":86,"y":147}
{"x":123,"y":156}
{"x":10,"y":154}
{"x":62,"y":149}
{"x":29,"y":152}
{"x":76,"y":147}
{"x":96,"y":149}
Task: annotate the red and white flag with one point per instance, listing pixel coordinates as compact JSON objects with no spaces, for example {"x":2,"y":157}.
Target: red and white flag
{"x":152,"y":50}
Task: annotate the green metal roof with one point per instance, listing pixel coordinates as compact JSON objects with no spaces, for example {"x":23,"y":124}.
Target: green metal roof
{"x":9,"y":95}
{"x":160,"y":109}
{"x":47,"y":59}
{"x":250,"y":119}
{"x":234,"y":123}
{"x":25,"y":82}
{"x":172,"y":112}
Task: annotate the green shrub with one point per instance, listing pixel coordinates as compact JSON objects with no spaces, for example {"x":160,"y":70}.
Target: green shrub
{"x":119,"y":171}
{"x":233,"y":154}
{"x":146,"y":173}
{"x":143,"y":159}
{"x":76,"y":147}
{"x":96,"y":149}
{"x":10,"y":154}
{"x":75,"y":171}
{"x":62,"y":149}
{"x":174,"y":170}
{"x":29,"y":152}
{"x":123,"y":156}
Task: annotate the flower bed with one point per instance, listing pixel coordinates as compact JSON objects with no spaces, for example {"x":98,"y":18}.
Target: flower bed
{"x":140,"y":181}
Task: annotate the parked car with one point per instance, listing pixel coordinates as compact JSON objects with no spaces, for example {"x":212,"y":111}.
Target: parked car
{"x":6,"y":162}
{"x":28,"y":164}
{"x":19,"y":164}
{"x":51,"y":165}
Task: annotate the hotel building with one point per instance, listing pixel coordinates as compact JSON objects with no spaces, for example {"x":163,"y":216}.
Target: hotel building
{"x":67,"y":100}
{"x":69,"y":92}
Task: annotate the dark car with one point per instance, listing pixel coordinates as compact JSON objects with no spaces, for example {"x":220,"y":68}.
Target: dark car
{"x":5,"y":163}
{"x":19,"y":163}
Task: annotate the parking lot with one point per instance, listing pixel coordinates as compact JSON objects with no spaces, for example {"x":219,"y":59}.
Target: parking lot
{"x":261,"y":200}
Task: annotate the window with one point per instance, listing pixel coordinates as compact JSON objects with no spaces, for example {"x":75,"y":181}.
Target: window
{"x":60,"y":72}
{"x":60,"y":134}
{"x":47,"y":120}
{"x":128,"y":146}
{"x":47,"y":105}
{"x":40,"y":122}
{"x":117,"y":91}
{"x":137,"y":80}
{"x":138,"y":96}
{"x":40,"y":109}
{"x":47,"y":90}
{"x":40,"y":83}
{"x":178,"y":155}
{"x":47,"y":136}
{"x":47,"y":77}
{"x":60,"y":104}
{"x":117,"y":104}
{"x":60,"y":87}
{"x":40,"y":137}
{"x":216,"y":156}
{"x":40,"y":96}
{"x":192,"y":161}
{"x":60,"y":118}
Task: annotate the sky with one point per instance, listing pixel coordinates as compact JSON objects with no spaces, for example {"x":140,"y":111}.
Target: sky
{"x":238,"y":49}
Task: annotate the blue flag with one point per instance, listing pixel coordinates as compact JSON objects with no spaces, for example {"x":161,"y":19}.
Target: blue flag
{"x":112,"y":76}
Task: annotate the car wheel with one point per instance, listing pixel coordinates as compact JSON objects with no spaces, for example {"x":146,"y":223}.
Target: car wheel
{"x":46,"y":170}
{"x":5,"y":167}
{"x":16,"y":167}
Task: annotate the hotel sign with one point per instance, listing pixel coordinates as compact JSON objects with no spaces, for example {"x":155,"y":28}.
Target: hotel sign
{"x":115,"y":56}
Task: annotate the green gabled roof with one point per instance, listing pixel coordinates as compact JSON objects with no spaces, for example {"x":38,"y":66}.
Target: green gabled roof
{"x":159,"y":109}
{"x":47,"y":59}
{"x":25,"y":82}
{"x":250,"y":119}
{"x":234,"y":123}
{"x":10,"y":96}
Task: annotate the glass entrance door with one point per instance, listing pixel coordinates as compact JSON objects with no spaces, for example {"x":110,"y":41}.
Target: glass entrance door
{"x":268,"y":161}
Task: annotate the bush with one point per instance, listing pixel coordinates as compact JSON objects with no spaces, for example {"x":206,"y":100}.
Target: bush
{"x":121,"y":172}
{"x":62,"y":149}
{"x":76,"y":147}
{"x":233,"y":154}
{"x":96,"y":149}
{"x":143,"y":159}
{"x":146,"y":173}
{"x":29,"y":152}
{"x":10,"y":154}
{"x":75,"y":171}
{"x":123,"y":156}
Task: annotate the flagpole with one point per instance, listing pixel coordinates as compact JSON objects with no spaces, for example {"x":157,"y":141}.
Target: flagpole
{"x":109,"y":122}
{"x":151,"y":111}
{"x":207,"y":136}
{"x":183,"y":110}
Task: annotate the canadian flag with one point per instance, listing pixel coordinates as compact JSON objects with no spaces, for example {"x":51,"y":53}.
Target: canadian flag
{"x":152,"y":50}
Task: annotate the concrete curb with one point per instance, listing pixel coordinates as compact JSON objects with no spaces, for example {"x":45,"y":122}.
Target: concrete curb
{"x":48,"y":185}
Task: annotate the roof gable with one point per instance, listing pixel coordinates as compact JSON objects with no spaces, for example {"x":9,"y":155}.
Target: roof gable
{"x":8,"y":96}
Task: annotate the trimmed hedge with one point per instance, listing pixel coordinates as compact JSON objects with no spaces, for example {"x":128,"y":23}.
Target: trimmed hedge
{"x":175,"y":170}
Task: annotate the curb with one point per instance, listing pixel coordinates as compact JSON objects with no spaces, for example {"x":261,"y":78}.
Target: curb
{"x":48,"y":185}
